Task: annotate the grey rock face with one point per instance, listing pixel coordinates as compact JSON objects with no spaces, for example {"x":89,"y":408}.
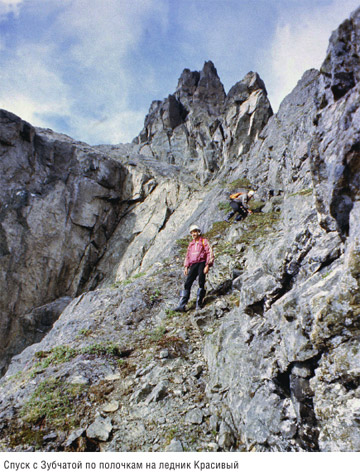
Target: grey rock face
{"x":337,"y":192}
{"x":271,"y":361}
{"x":203,"y":128}
{"x":68,"y":213}
{"x":337,"y":400}
{"x":175,"y":445}
{"x":341,"y":66}
{"x":297,"y":294}
{"x":194,"y":417}
{"x":100,"y":429}
{"x":59,"y":204}
{"x":246,"y":111}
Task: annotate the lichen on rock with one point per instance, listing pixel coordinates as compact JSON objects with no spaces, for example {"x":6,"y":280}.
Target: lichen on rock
{"x":92,"y":248}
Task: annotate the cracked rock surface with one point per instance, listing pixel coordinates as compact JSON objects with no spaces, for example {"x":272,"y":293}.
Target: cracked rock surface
{"x":92,"y":246}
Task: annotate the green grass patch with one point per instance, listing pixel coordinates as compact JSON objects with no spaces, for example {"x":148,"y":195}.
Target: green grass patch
{"x":156,"y":334}
{"x":53,"y":403}
{"x":182,"y":246}
{"x":116,"y":285}
{"x":183,"y":243}
{"x":238,"y":183}
{"x":218,"y":228}
{"x":57,"y":355}
{"x":17,"y":376}
{"x":98,"y":349}
{"x":63,"y":353}
{"x":176,"y":345}
{"x":84,"y":333}
{"x":155,"y":296}
{"x":258,"y":225}
{"x":256,"y":205}
{"x":225,"y":248}
{"x":170,"y":313}
{"x":304,"y":192}
{"x":130,"y":280}
{"x":170,"y":435}
{"x":224,"y":206}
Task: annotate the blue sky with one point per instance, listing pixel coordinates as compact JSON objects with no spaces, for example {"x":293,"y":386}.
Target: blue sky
{"x":91,"y":68}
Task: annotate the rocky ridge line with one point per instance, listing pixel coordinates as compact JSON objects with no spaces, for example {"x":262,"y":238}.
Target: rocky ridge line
{"x":277,"y":341}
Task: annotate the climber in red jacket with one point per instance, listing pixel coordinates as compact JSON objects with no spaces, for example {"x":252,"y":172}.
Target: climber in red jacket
{"x":198,"y":260}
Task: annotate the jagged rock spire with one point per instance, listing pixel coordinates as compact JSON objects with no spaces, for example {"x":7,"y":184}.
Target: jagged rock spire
{"x":214,"y":128}
{"x":203,"y":87}
{"x":342,"y":66}
{"x":272,"y":361}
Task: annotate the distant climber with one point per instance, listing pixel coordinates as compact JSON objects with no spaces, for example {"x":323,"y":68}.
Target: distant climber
{"x":239,"y":203}
{"x":199,"y":258}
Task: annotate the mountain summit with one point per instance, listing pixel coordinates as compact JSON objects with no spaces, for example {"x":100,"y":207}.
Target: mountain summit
{"x":91,"y":251}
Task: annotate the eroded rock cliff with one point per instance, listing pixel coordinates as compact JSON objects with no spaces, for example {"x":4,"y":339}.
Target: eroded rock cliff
{"x":271,"y":361}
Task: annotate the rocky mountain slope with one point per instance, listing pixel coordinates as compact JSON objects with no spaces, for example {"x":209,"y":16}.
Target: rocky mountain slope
{"x":92,"y":243}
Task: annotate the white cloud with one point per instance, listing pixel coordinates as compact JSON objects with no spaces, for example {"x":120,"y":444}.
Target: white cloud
{"x":10,"y":6}
{"x":105,"y":34}
{"x":28,"y":109}
{"x":32,"y":88}
{"x":84,"y":67}
{"x":118,"y":128}
{"x":300,"y":43}
{"x":223,"y":31}
{"x":105,"y":31}
{"x":75,"y":73}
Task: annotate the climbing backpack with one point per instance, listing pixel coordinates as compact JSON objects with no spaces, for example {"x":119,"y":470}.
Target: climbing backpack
{"x":234,"y":196}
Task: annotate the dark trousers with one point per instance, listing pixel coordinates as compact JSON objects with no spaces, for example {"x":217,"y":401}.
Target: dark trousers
{"x":239,"y":209}
{"x":195,"y":270}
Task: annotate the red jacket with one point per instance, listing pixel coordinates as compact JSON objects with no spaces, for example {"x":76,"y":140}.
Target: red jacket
{"x":199,"y":251}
